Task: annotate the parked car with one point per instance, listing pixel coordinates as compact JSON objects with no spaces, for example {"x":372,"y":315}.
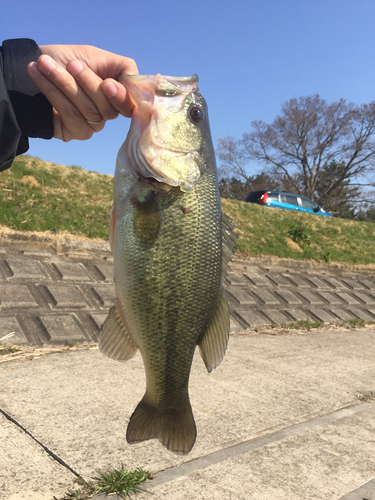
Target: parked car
{"x":287,"y":201}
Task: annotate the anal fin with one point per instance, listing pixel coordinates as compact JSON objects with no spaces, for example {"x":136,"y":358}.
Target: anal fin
{"x":214,"y":343}
{"x":115,"y":340}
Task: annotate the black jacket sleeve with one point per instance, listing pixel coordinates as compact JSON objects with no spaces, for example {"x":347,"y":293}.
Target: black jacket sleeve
{"x":24,"y":111}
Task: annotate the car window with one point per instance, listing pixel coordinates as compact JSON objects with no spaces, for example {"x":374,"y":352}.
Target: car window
{"x":273,"y":196}
{"x":308,"y":204}
{"x":287,"y":198}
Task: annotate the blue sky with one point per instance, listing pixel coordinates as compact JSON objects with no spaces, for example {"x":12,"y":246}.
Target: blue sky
{"x":250,"y":55}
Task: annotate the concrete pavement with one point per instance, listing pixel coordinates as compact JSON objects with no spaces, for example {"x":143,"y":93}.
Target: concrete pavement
{"x":284,"y":417}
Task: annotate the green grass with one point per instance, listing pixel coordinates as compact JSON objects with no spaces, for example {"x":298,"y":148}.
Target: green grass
{"x":265,"y":231}
{"x":303,"y":325}
{"x":112,"y":482}
{"x":311,"y":325}
{"x":62,"y":199}
{"x":71,"y":199}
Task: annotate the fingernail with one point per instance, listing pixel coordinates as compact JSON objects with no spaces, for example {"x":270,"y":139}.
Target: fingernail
{"x":110,"y":90}
{"x":75,"y":67}
{"x":33,"y":69}
{"x":46,"y":64}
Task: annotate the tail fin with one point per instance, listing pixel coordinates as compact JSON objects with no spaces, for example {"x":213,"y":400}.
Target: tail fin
{"x":175,"y":429}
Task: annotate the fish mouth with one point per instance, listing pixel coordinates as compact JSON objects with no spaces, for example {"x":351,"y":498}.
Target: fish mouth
{"x":160,"y":79}
{"x":146,"y":86}
{"x":162,"y":142}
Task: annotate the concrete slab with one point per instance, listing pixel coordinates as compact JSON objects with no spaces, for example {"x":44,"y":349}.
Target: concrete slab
{"x":320,"y":464}
{"x":27,"y":472}
{"x":78,"y":405}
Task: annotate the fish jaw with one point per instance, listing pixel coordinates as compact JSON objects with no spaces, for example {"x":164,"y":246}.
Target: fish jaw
{"x":163,"y":142}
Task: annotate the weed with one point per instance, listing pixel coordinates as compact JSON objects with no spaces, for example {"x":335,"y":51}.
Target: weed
{"x":306,"y":325}
{"x":121,"y":481}
{"x":112,"y":482}
{"x":326,"y":256}
{"x":8,"y":349}
{"x":299,"y":234}
{"x":355,"y":323}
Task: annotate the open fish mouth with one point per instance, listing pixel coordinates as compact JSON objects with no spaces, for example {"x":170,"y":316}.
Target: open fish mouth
{"x":164,"y":141}
{"x":163,"y":86}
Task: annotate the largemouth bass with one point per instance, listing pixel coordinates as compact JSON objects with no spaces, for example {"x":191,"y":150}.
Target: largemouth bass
{"x":171,"y":245}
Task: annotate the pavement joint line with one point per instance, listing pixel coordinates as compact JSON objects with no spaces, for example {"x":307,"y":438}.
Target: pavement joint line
{"x":358,"y":494}
{"x":216,"y":457}
{"x":45,"y":448}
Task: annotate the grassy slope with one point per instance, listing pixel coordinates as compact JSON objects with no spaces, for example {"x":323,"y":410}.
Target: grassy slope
{"x":262,"y":231}
{"x":62,"y":198}
{"x":71,"y":199}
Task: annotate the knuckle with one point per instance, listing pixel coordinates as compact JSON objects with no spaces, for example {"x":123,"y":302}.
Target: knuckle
{"x":110,"y":114}
{"x":132,"y":67}
{"x":92,"y":114}
{"x":86,"y":133}
{"x":70,"y":113}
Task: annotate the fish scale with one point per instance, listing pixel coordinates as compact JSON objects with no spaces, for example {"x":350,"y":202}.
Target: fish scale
{"x":171,"y":247}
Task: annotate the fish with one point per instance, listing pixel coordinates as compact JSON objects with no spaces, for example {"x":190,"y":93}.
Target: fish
{"x":171,"y":245}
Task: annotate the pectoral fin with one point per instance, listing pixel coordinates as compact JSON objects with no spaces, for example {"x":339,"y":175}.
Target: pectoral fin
{"x":214,"y":343}
{"x":147,"y":219}
{"x":115,"y":340}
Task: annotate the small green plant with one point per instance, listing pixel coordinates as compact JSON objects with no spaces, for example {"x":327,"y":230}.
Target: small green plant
{"x":121,"y":481}
{"x":299,"y":234}
{"x":112,"y":482}
{"x":353,"y":323}
{"x":302,"y":324}
{"x":8,"y":349}
{"x":326,"y":256}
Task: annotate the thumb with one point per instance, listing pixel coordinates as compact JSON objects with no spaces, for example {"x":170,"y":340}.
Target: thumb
{"x":117,"y":96}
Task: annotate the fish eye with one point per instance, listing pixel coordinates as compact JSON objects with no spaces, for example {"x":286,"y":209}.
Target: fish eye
{"x":196,"y":114}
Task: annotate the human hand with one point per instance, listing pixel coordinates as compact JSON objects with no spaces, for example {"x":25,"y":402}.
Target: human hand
{"x":80,"y":83}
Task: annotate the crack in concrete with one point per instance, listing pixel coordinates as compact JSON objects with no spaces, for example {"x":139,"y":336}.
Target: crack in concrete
{"x":216,"y":457}
{"x":45,"y":448}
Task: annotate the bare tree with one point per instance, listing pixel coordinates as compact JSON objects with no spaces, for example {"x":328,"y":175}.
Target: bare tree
{"x":305,"y":139}
{"x":234,"y":159}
